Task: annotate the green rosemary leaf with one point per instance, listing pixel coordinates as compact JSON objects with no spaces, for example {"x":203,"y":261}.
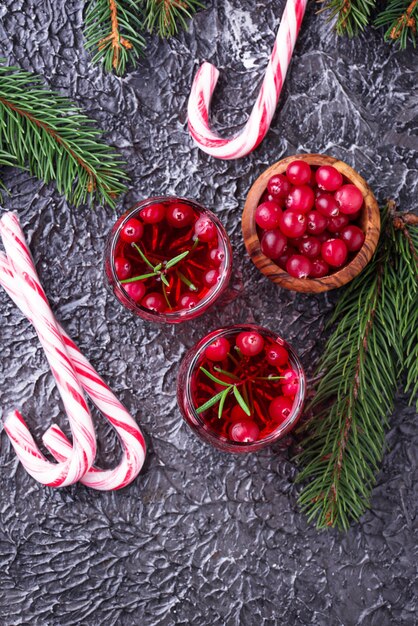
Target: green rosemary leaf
{"x":212,"y":377}
{"x":186,"y":281}
{"x":210,"y":402}
{"x":164,"y":280}
{"x":221,"y":371}
{"x":222,"y":401}
{"x":136,"y":278}
{"x":143,"y":257}
{"x":241,"y":401}
{"x":176,"y":259}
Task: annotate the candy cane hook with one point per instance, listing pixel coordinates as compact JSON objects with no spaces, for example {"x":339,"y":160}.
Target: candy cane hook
{"x":259,"y":121}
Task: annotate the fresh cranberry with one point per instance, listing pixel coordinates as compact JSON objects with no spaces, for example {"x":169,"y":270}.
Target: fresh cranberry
{"x":310,"y":246}
{"x":217,"y":256}
{"x":298,"y":172}
{"x":218,"y":349}
{"x":153,"y":214}
{"x":123,"y":268}
{"x":328,"y":178}
{"x":283,"y":259}
{"x":132,"y":231}
{"x":301,"y":199}
{"x":290,"y":383}
{"x":278,"y":186}
{"x":189,"y":301}
{"x":319,"y":268}
{"x":154,"y":301}
{"x":280,"y":408}
{"x":267,"y":215}
{"x":250,"y":343}
{"x":267,"y":197}
{"x":211,"y":278}
{"x":353,"y":237}
{"x":205,"y":229}
{"x":245,"y":431}
{"x":299,"y":266}
{"x":325,"y":236}
{"x":317,"y":223}
{"x":180,"y":215}
{"x":326,"y":204}
{"x":293,"y":223}
{"x":335,"y":224}
{"x":135,"y":290}
{"x":349,"y":199}
{"x":273,"y":243}
{"x":277,"y":356}
{"x":334,"y":252}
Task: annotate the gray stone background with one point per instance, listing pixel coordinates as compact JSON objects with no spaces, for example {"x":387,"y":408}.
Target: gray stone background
{"x":200,"y":537}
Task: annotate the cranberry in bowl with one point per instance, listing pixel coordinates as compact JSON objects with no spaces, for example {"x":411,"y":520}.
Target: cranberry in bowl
{"x":241,"y":388}
{"x":168,"y":259}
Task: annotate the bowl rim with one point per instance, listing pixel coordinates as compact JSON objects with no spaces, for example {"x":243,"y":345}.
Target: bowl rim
{"x":370,"y":225}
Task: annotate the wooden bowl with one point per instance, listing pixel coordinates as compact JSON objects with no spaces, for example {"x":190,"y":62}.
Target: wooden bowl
{"x":369,"y":222}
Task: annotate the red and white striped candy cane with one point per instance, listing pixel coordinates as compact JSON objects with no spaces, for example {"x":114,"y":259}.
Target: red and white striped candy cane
{"x":27,"y":283}
{"x":131,"y":438}
{"x":260,"y":119}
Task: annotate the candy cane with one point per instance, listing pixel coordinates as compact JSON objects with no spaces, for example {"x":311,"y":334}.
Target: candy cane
{"x":260,"y":119}
{"x":131,"y":438}
{"x":27,"y":283}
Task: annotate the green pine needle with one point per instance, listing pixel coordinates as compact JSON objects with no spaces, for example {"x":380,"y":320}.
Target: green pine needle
{"x":166,"y":17}
{"x":400,"y":17}
{"x":349,"y":16}
{"x":46,"y":133}
{"x":374,"y":338}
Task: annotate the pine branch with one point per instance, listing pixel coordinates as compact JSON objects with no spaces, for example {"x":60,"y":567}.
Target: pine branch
{"x":400,"y":17}
{"x":112,"y":28}
{"x":343,"y":441}
{"x":166,"y":17}
{"x":349,"y":16}
{"x":49,"y":135}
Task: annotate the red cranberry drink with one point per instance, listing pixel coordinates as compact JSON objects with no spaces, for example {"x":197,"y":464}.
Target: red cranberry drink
{"x":241,"y":388}
{"x":168,"y":259}
{"x":307,"y":220}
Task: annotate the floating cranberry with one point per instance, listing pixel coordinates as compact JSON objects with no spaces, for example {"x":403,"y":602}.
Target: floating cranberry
{"x":298,"y":172}
{"x":238,"y":413}
{"x":218,"y":349}
{"x":153,"y":214}
{"x":301,"y":198}
{"x":217,"y":256}
{"x":135,"y":290}
{"x":211,"y":278}
{"x":328,"y":178}
{"x":353,"y":237}
{"x":293,"y":223}
{"x":250,"y":343}
{"x":310,"y":246}
{"x":290,"y":383}
{"x":273,"y":243}
{"x":132,"y":231}
{"x":280,"y":408}
{"x":205,"y":229}
{"x":277,"y":356}
{"x":154,"y":301}
{"x":278,"y":186}
{"x":188,"y":301}
{"x":335,"y":224}
{"x":334,"y":252}
{"x":245,"y":431}
{"x":317,"y":223}
{"x":123,"y":268}
{"x":267,"y":215}
{"x":349,"y":199}
{"x":180,"y":215}
{"x":319,"y":268}
{"x":299,"y":266}
{"x":325,"y":203}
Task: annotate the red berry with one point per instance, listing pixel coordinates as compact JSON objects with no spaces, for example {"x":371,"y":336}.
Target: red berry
{"x":299,"y":266}
{"x":280,"y":408}
{"x":298,"y":172}
{"x":244,"y":431}
{"x":153,"y":214}
{"x":293,"y":223}
{"x":319,"y":268}
{"x":217,"y":256}
{"x":154,"y":301}
{"x":135,"y":290}
{"x":205,"y":229}
{"x":290,"y":383}
{"x":132,"y":231}
{"x":334,"y":252}
{"x":211,"y":278}
{"x":278,"y":186}
{"x":250,"y":343}
{"x":267,"y":197}
{"x":353,"y":237}
{"x":180,"y":215}
{"x":267,"y":215}
{"x":277,"y":356}
{"x":317,"y":223}
{"x":123,"y":268}
{"x":335,"y":224}
{"x":355,"y":216}
{"x":238,"y":413}
{"x":301,"y":199}
{"x":189,"y":301}
{"x":349,"y":199}
{"x":273,"y":243}
{"x":325,"y":236}
{"x":328,"y":178}
{"x":283,"y":259}
{"x":326,"y":204}
{"x":310,"y":246}
{"x":218,"y":349}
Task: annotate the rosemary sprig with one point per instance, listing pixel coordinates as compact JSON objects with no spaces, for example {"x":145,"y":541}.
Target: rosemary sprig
{"x":157,"y":270}
{"x":221,"y":397}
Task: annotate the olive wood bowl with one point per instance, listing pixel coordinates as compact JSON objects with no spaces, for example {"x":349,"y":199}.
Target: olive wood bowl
{"x":369,"y":222}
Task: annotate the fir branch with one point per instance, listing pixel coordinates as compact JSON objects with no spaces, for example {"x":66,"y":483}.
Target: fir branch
{"x":112,"y":29}
{"x":45,"y":132}
{"x":166,"y":17}
{"x":400,"y":17}
{"x":349,"y":16}
{"x":344,"y":439}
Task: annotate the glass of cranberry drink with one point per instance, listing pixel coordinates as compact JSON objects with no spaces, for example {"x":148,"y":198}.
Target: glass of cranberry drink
{"x":241,"y":388}
{"x":168,"y":259}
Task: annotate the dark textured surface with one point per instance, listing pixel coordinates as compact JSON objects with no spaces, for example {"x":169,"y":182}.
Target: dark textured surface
{"x":201,"y":537}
